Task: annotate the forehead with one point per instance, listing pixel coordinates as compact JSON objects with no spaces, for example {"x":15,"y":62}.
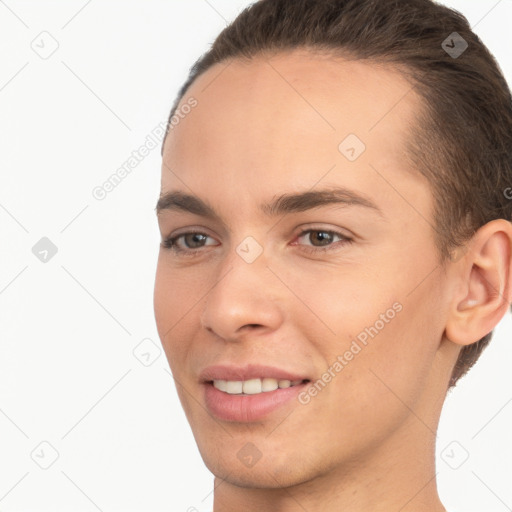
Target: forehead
{"x":277,"y":122}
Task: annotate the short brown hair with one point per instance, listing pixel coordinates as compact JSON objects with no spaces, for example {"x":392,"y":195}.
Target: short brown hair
{"x":462,"y":142}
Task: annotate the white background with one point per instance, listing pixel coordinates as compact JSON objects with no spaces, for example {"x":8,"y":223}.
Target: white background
{"x":68,"y":375}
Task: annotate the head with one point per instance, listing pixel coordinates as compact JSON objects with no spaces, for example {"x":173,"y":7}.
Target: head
{"x":294,"y":100}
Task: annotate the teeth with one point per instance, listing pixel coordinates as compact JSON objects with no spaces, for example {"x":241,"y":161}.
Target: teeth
{"x":234,"y":386}
{"x":253,"y":386}
{"x":269,"y":384}
{"x":220,"y":385}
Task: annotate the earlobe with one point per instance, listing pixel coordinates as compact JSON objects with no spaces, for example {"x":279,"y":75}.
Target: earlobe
{"x":484,"y":290}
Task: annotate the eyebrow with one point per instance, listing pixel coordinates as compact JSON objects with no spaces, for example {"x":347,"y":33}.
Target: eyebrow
{"x":283,"y":204}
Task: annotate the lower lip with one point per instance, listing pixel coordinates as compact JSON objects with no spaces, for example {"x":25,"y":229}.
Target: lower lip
{"x":248,"y":408}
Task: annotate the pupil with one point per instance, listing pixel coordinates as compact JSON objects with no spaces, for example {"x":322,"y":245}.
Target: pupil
{"x":322,"y":238}
{"x":194,"y":237}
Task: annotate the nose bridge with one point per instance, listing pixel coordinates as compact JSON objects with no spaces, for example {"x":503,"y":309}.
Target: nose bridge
{"x":243,"y":293}
{"x":243,"y":267}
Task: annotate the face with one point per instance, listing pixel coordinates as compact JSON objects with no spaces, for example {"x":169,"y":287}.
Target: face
{"x":339,"y":293}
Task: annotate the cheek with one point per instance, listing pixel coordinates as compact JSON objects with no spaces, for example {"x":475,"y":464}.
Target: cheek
{"x":338,"y":303}
{"x":174,"y":292}
{"x":162,"y":299}
{"x":170,"y":307}
{"x":176,"y":300}
{"x":384,"y":327}
{"x":388,"y":354}
{"x":377,"y":382}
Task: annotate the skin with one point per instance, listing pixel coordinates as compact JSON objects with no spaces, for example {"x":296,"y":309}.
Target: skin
{"x":367,"y":440}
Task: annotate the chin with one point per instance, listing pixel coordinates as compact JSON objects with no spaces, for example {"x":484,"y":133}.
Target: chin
{"x":262,"y":477}
{"x":273,"y":470}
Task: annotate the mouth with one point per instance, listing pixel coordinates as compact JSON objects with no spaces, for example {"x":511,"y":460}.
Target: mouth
{"x":254,"y":386}
{"x":250,"y":393}
{"x":250,"y":372}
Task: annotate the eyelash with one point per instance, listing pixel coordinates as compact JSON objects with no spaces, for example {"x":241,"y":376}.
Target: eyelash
{"x":170,"y":243}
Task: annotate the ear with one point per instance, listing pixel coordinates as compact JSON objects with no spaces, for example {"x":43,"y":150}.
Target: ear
{"x":484,"y":288}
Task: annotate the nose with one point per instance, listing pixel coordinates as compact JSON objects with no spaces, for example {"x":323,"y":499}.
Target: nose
{"x":246,"y":297}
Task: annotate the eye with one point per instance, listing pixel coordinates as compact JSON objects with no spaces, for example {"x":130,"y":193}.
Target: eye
{"x":325,"y":239}
{"x":193,"y":241}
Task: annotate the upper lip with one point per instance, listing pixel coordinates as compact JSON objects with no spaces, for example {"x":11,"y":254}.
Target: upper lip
{"x":249,"y":371}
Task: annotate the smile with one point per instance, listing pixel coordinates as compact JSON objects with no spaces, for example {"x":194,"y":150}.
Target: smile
{"x":254,"y":386}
